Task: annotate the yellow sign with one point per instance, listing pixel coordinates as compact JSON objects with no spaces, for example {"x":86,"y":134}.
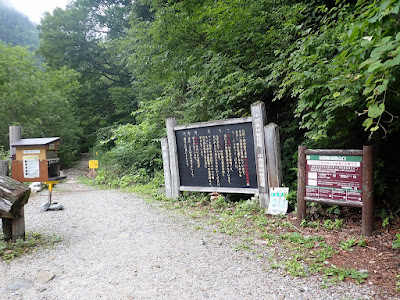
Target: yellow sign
{"x":93,"y":164}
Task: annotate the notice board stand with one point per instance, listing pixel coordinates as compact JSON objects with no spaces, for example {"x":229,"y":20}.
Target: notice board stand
{"x":337,"y":177}
{"x":225,"y":156}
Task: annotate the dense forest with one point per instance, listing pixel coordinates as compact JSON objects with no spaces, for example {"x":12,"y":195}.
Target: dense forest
{"x":327,"y":71}
{"x":16,"y":29}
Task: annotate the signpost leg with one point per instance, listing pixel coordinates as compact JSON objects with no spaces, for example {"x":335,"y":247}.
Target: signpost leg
{"x":173,"y":157}
{"x":258,"y":115}
{"x":273,"y":152}
{"x":18,"y":226}
{"x":368,"y":188}
{"x":301,"y":188}
{"x":167,"y":168}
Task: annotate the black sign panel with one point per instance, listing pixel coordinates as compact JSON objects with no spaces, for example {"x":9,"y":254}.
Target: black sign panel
{"x":217,"y":156}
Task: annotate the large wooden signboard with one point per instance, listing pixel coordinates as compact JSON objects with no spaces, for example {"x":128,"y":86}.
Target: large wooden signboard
{"x":336,"y":177}
{"x":217,"y":156}
{"x":226,"y":156}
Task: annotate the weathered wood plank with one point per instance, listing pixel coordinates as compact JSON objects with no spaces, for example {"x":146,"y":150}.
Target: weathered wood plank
{"x":5,"y":205}
{"x":4,"y":167}
{"x":273,"y":152}
{"x":258,"y":115}
{"x":334,"y":202}
{"x":214,"y":123}
{"x":334,"y":152}
{"x":15,"y":192}
{"x":222,"y":190}
{"x":167,"y":167}
{"x":14,"y":135}
{"x":173,"y":157}
{"x":13,"y":196}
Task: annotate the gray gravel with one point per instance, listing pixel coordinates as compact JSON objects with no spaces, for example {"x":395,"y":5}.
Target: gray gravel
{"x":117,"y":246}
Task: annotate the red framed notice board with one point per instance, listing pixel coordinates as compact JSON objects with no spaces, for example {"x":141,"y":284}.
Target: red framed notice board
{"x":336,"y":177}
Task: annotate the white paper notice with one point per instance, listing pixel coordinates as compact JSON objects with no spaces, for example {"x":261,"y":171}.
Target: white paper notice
{"x":31,"y":166}
{"x":278,"y":205}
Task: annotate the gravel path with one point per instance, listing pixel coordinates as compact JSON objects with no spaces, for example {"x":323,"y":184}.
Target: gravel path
{"x":116,"y":246}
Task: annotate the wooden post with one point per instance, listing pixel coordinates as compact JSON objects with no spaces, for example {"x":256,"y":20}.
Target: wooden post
{"x":173,"y":158}
{"x":273,"y":152}
{"x":167,"y":168}
{"x":258,"y":115}
{"x":368,"y":191}
{"x":4,"y":167}
{"x":14,"y":228}
{"x":14,"y":135}
{"x":301,"y":182}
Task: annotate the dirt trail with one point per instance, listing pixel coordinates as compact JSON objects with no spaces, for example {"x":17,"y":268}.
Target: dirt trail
{"x":116,"y":246}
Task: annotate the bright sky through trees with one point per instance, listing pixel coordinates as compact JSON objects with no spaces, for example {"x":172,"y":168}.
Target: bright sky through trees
{"x":35,"y":9}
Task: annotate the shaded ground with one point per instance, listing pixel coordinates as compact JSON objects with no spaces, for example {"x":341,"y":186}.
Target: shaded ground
{"x":115,"y":246}
{"x":377,"y":256}
{"x":373,"y":254}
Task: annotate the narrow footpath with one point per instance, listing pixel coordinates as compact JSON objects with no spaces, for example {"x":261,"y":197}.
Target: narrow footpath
{"x":116,"y":246}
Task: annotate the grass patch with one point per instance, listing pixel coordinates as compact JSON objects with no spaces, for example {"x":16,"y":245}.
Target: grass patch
{"x":33,"y":241}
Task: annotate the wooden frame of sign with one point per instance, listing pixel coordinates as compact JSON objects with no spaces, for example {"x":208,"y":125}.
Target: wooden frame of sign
{"x":226,"y":156}
{"x":337,"y":177}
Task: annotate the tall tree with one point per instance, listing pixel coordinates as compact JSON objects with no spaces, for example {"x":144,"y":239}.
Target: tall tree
{"x":37,"y":99}
{"x":85,"y":37}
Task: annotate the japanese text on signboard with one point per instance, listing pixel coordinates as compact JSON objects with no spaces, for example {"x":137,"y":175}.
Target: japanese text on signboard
{"x":334,"y":177}
{"x":220,"y":156}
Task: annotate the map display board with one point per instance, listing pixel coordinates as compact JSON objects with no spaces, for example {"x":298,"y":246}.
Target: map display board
{"x":31,"y":166}
{"x":334,"y":177}
{"x":217,"y":156}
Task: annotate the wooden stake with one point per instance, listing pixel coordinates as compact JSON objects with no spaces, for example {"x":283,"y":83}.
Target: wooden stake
{"x":301,"y":184}
{"x":368,"y":191}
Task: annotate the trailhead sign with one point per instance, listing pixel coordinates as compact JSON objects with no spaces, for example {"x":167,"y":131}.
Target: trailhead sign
{"x":221,"y":156}
{"x":335,"y":177}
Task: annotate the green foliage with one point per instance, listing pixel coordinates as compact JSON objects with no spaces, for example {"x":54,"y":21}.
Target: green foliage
{"x":385,"y":217}
{"x":396,"y":241}
{"x":348,"y":65}
{"x":38,"y":99}
{"x":346,"y":245}
{"x":135,"y":148}
{"x":398,"y":283}
{"x":33,"y":241}
{"x":3,"y":153}
{"x":86,"y":37}
{"x":219,"y":203}
{"x":334,"y":209}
